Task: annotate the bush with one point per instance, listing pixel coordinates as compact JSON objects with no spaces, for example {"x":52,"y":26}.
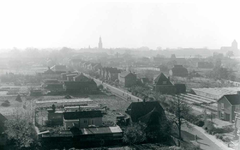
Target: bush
{"x":227,"y":139}
{"x":5,"y":104}
{"x":199,"y":123}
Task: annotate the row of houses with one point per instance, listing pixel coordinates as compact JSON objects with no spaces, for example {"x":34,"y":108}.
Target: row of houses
{"x":111,"y":74}
{"x":71,"y":82}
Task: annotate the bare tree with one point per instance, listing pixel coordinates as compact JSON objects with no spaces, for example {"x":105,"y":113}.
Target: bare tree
{"x":181,"y":112}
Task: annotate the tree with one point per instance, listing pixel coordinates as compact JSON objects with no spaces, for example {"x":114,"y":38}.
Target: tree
{"x":229,"y":54}
{"x":181,"y":112}
{"x":134,"y":134}
{"x":20,"y":130}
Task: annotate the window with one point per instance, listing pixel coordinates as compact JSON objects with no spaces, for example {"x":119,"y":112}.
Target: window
{"x":85,"y":121}
{"x":222,"y":105}
{"x":222,"y":114}
{"x":164,"y":82}
{"x":92,"y":121}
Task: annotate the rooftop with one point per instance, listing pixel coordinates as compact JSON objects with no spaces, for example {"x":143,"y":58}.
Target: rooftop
{"x":101,"y":130}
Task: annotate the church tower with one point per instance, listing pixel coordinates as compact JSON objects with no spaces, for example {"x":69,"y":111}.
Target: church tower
{"x":234,"y":45}
{"x":100,"y":43}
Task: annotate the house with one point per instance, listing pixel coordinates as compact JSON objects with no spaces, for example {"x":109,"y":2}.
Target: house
{"x":138,"y":110}
{"x":127,"y":79}
{"x":227,"y":105}
{"x":80,"y":84}
{"x":59,"y":68}
{"x":82,"y":119}
{"x":163,"y":85}
{"x":178,"y":70}
{"x":49,"y":74}
{"x":112,"y":74}
{"x":52,"y":85}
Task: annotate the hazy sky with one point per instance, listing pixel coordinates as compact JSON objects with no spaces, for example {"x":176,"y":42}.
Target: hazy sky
{"x":77,"y":24}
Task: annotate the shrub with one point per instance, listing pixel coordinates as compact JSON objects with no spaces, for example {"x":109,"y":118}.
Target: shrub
{"x":199,"y":123}
{"x":227,"y":139}
{"x":5,"y":104}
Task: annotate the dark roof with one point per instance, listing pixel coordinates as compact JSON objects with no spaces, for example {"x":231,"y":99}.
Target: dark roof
{"x":140,"y":109}
{"x":179,"y":69}
{"x":152,"y":116}
{"x":82,"y":114}
{"x":160,"y":78}
{"x":233,"y":99}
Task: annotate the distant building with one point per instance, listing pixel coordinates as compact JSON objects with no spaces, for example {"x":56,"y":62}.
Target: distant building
{"x":233,"y":47}
{"x":227,"y":105}
{"x":80,"y":84}
{"x":49,"y":74}
{"x":59,"y":68}
{"x":178,"y":70}
{"x":163,"y":85}
{"x":100,"y":46}
{"x":127,"y":79}
{"x":112,"y":74}
{"x":52,"y":85}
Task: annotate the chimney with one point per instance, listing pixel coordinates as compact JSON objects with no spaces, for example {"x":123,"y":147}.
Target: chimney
{"x":169,"y":78}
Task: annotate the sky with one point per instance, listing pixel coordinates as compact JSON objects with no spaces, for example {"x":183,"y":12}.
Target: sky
{"x":132,"y":24}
